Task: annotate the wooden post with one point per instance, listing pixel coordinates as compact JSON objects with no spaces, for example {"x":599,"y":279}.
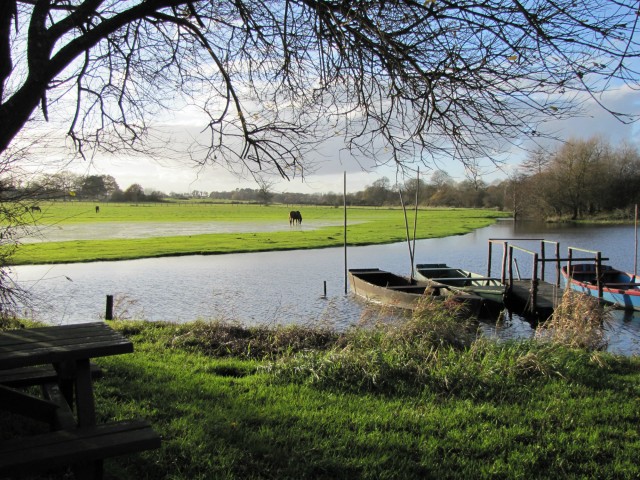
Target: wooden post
{"x":557,"y":264}
{"x":543,"y":257}
{"x":569,"y":269}
{"x":109,"y":313}
{"x":510,"y":266}
{"x":489,"y":259}
{"x":504,"y":263}
{"x":534,"y":284}
{"x":599,"y":273}
{"x":325,"y":289}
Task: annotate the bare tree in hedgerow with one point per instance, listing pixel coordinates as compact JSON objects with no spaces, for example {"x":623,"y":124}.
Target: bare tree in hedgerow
{"x":400,"y":81}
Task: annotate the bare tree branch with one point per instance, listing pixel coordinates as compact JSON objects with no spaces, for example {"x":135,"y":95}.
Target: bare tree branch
{"x":402,"y":81}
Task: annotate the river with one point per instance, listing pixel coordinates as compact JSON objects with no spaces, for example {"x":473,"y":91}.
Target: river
{"x":287,"y":287}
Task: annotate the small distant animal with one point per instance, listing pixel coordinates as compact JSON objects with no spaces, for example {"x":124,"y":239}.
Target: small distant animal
{"x":97,"y":209}
{"x":35,"y":208}
{"x":295,"y":217}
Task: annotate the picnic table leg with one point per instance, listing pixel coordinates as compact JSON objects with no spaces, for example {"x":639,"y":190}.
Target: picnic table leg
{"x":66,"y":374}
{"x":86,"y":410}
{"x":85,"y":403}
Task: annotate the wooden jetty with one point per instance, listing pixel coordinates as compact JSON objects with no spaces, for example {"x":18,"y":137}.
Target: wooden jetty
{"x":519,"y":298}
{"x":533,"y":296}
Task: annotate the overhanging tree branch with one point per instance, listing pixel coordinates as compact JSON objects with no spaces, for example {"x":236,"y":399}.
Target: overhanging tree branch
{"x":416,"y":80}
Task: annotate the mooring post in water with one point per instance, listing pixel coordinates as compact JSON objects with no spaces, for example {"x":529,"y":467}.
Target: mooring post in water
{"x":109,"y":313}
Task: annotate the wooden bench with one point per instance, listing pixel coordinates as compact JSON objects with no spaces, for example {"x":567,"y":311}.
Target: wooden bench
{"x":36,"y":375}
{"x":78,"y":448}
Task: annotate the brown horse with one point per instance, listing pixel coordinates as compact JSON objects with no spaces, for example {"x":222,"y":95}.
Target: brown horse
{"x":295,"y":217}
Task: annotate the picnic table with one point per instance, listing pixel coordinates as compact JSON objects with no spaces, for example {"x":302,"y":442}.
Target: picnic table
{"x":58,"y":358}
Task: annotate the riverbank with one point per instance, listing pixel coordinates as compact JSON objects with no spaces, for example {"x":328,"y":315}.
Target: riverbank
{"x":366,"y":226}
{"x":419,"y":400}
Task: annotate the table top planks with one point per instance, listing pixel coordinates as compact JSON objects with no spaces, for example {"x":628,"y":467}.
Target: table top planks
{"x":46,"y":345}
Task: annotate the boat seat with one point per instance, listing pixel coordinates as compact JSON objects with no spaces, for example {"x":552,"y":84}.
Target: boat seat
{"x":407,"y":287}
{"x":466,"y":279}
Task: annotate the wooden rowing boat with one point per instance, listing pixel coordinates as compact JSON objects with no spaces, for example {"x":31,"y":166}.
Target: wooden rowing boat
{"x":619,"y":288}
{"x":489,"y":289}
{"x":386,"y":288}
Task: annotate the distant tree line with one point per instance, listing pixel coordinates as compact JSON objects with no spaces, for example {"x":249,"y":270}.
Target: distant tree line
{"x":579,"y":179}
{"x":72,"y":186}
{"x":439,"y":190}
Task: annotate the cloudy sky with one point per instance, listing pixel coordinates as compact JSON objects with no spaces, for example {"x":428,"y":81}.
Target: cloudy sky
{"x":178,"y":174}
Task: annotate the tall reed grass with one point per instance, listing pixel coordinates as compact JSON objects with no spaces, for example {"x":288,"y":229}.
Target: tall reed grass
{"x":438,"y":350}
{"x":579,"y":321}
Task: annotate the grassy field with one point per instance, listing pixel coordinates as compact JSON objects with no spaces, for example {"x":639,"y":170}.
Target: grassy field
{"x":366,"y":226}
{"x":424,"y":399}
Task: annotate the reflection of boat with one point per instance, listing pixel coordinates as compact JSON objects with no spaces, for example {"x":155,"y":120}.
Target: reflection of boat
{"x":489,"y":289}
{"x":618,"y":288}
{"x":380,"y":286}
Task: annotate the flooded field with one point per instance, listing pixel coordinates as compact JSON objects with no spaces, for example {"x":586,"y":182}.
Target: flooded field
{"x":121,"y":230}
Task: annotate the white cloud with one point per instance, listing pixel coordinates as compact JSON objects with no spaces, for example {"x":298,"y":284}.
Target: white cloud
{"x":176,"y":172}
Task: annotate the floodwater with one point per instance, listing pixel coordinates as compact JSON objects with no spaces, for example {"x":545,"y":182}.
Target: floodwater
{"x":288,"y":287}
{"x":120,"y":230}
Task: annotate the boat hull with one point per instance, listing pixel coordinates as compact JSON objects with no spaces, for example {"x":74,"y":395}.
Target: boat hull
{"x":619,"y":289}
{"x":385,"y":288}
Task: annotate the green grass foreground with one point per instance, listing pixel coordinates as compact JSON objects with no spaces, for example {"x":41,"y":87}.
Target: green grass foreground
{"x":424,"y":399}
{"x":365,"y":226}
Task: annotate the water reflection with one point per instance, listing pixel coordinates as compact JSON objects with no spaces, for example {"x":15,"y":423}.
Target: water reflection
{"x":287,"y":287}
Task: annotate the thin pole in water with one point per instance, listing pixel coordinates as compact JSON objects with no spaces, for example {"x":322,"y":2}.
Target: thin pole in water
{"x":415,"y":223}
{"x":406,"y":225}
{"x":635,"y":258}
{"x":345,"y":233}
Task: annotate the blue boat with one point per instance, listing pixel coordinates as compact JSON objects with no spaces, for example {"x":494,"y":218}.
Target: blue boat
{"x":619,"y":288}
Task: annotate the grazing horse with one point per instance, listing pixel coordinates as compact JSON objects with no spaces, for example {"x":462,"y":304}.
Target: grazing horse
{"x":295,"y":217}
{"x":97,"y":209}
{"x":35,"y":208}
